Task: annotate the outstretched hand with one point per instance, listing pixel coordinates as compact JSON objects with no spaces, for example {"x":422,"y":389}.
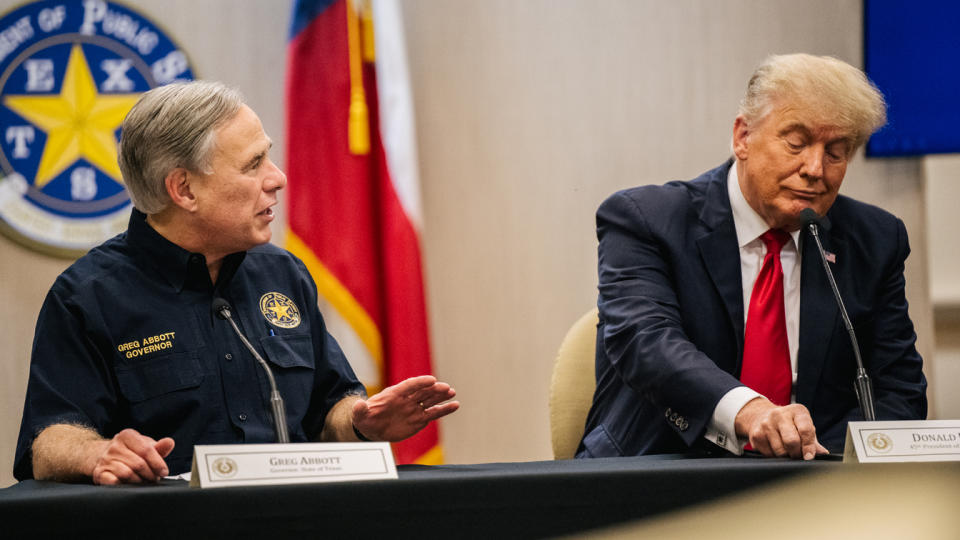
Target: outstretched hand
{"x":401,"y":410}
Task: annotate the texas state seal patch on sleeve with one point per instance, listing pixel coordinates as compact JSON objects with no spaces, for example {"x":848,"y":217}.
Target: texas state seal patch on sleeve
{"x":69,"y":73}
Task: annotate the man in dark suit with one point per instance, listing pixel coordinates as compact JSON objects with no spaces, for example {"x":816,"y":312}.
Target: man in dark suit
{"x":717,"y":324}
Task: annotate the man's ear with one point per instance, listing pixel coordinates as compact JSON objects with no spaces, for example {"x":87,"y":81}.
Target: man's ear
{"x":740,"y":133}
{"x":179,"y":189}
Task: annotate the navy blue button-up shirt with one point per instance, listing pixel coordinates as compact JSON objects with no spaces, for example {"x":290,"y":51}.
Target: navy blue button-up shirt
{"x":126,"y":338}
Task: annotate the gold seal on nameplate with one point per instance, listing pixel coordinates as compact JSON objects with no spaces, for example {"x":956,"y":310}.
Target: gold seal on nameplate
{"x":279,"y":310}
{"x":224,"y":467}
{"x":880,"y":442}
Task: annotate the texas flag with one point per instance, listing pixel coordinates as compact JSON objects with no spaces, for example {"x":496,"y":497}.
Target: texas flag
{"x":353,"y":196}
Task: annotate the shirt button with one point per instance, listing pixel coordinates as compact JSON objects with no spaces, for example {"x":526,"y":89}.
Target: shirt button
{"x":228,"y":356}
{"x":242,"y":417}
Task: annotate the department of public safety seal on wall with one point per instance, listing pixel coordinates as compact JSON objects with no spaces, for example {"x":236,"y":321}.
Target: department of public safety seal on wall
{"x":69,"y":72}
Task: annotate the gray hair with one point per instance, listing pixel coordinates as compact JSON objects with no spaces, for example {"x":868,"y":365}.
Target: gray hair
{"x":172,"y":126}
{"x":835,"y":91}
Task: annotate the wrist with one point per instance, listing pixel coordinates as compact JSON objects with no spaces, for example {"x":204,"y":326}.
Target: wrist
{"x":359,"y":435}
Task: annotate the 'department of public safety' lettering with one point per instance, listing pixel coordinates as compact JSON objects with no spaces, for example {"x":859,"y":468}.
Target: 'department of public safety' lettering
{"x":70,"y":70}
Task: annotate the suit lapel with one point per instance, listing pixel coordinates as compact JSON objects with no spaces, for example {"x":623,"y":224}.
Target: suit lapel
{"x":818,"y":312}
{"x":716,"y":245}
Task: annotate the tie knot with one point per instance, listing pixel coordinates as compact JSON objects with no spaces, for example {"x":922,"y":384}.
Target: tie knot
{"x":775,"y":239}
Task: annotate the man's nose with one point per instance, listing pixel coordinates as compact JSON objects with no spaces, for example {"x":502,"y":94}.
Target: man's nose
{"x":276,"y":179}
{"x":812,"y":167}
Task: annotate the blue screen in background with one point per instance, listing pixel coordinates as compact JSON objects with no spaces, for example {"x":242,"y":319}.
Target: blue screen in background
{"x":912,"y":53}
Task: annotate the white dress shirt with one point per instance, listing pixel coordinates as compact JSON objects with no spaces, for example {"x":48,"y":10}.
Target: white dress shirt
{"x":750,"y":226}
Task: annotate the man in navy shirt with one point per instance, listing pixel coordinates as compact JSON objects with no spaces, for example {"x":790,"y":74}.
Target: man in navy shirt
{"x":128,"y":355}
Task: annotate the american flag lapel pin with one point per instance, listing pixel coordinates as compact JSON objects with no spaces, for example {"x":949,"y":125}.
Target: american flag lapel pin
{"x":831,"y":257}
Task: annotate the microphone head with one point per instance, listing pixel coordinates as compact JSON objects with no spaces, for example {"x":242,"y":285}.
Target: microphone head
{"x":221,"y":308}
{"x":810,"y":217}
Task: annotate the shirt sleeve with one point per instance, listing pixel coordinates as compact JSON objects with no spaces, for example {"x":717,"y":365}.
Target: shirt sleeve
{"x":334,"y":379}
{"x":721,"y":429}
{"x":69,"y":380}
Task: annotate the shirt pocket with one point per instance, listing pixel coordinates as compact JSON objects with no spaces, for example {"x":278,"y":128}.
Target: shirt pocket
{"x":289,"y":351}
{"x":144,"y":380}
{"x":291,"y":360}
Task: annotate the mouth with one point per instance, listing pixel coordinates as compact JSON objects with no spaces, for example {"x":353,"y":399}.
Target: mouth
{"x":267,"y":212}
{"x":805,"y":195}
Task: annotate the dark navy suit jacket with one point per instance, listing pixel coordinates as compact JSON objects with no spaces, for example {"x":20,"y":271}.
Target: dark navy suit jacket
{"x":670,"y":336}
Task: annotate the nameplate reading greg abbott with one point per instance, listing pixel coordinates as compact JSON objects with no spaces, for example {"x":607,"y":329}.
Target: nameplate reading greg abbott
{"x":225,"y":465}
{"x":902,"y":440}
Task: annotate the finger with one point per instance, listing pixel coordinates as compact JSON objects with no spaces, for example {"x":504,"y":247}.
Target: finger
{"x":164,"y":446}
{"x":430,"y":401}
{"x":790,"y":437}
{"x":123,"y":473}
{"x":436,"y":388}
{"x":410,"y":386}
{"x":105,"y":478}
{"x":808,"y":436}
{"x":822,"y":449}
{"x":761,"y":444}
{"x":138,"y":466}
{"x":439,"y":411}
{"x":137,"y":453}
{"x":154,"y":460}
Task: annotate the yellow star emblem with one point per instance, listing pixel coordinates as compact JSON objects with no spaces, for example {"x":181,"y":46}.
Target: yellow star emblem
{"x":280,"y":311}
{"x":78,"y":122}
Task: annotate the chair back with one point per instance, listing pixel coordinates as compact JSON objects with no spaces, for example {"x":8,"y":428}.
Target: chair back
{"x":572,"y":385}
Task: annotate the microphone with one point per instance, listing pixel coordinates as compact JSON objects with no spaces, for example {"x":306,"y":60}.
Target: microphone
{"x":222,"y":308}
{"x":862,"y":385}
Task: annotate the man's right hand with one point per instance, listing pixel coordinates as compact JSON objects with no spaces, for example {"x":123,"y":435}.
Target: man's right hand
{"x":129,"y":457}
{"x":779,"y":431}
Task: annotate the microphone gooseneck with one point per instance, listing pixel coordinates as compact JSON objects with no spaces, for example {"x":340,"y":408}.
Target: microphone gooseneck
{"x":222,"y":309}
{"x":862,"y":385}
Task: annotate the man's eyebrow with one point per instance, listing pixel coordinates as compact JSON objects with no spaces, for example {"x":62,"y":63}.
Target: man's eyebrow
{"x":258,"y":156}
{"x":793,"y":127}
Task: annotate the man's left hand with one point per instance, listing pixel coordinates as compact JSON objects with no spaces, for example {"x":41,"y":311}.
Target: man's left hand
{"x":401,"y":410}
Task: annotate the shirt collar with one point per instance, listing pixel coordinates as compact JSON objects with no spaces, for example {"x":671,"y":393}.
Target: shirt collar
{"x":746,"y":220}
{"x":177,"y":265}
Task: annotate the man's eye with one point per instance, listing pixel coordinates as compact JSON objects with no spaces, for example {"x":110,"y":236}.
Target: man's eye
{"x":794,"y":145}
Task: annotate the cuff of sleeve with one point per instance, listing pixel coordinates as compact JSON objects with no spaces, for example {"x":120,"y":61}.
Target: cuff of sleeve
{"x":720,"y":430}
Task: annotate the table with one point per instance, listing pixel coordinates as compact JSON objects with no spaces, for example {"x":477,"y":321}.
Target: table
{"x":491,"y":500}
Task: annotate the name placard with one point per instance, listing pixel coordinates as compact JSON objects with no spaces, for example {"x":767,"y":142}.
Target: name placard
{"x":902,"y":440}
{"x":225,"y":465}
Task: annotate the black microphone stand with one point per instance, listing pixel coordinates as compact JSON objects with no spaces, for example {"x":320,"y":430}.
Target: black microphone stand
{"x":862,"y":385}
{"x":222,"y":309}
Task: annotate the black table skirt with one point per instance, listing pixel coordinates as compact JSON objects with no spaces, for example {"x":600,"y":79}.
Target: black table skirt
{"x":493,"y":500}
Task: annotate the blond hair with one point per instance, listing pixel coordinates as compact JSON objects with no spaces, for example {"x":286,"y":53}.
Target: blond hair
{"x":835,"y":91}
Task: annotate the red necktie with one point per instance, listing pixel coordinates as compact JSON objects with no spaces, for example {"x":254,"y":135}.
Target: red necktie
{"x":766,"y":356}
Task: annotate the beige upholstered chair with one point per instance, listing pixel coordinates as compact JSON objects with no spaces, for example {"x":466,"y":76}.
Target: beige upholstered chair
{"x":571,"y":389}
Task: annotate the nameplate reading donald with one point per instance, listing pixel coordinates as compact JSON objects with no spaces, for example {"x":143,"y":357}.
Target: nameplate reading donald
{"x":904,"y":440}
{"x":298,"y":463}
